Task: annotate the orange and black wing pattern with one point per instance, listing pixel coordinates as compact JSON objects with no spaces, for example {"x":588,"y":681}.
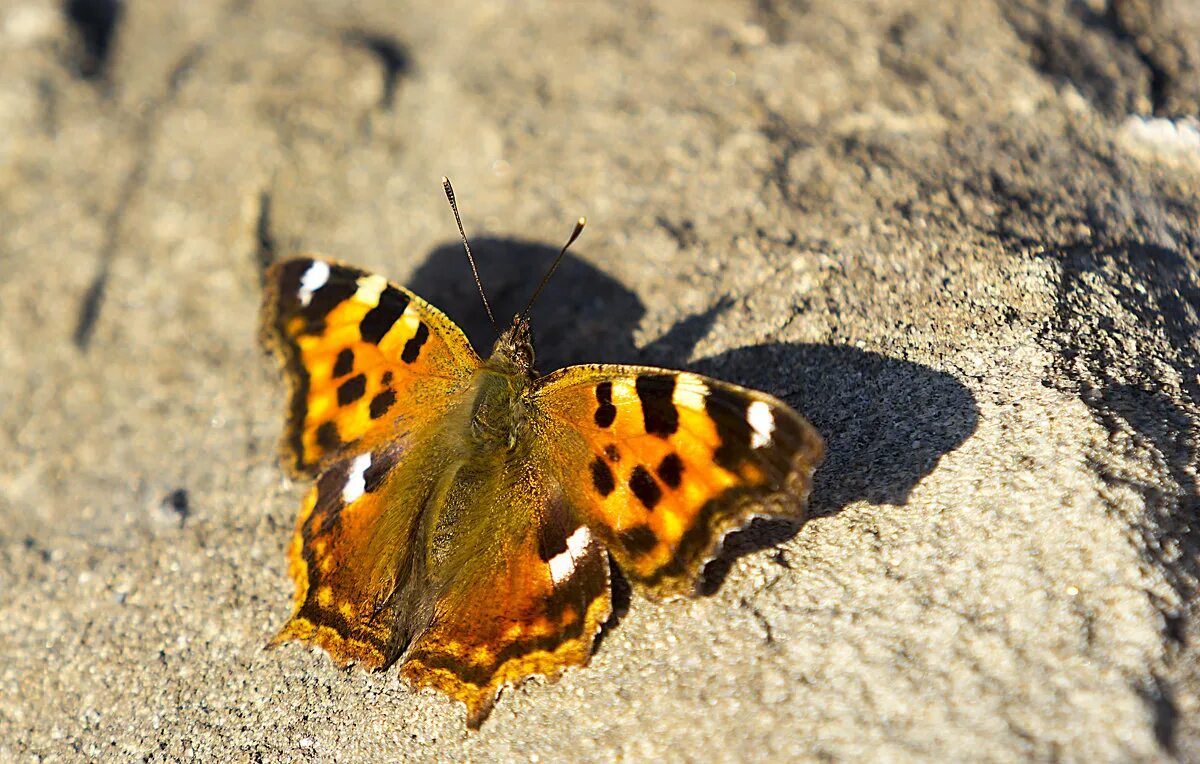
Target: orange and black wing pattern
{"x":532,"y":603}
{"x":363,"y":358}
{"x":666,"y":463}
{"x":350,"y":554}
{"x":371,"y":370}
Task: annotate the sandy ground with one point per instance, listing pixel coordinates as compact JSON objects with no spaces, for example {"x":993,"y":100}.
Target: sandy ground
{"x":962,"y":238}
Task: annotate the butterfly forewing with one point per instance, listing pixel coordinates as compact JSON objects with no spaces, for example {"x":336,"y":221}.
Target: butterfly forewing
{"x":362,"y":357}
{"x":666,"y":463}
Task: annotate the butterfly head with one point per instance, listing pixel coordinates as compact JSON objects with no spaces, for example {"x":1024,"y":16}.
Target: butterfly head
{"x":514,"y":349}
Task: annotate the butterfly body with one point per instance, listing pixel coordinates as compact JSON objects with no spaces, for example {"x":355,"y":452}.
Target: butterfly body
{"x":464,"y":510}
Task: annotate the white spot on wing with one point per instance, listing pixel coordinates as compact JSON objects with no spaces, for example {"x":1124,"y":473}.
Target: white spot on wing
{"x":369,"y":289}
{"x":562,"y":565}
{"x":313,"y":279}
{"x":577,"y":543}
{"x":690,"y":392}
{"x":356,"y":482}
{"x":762,"y":424}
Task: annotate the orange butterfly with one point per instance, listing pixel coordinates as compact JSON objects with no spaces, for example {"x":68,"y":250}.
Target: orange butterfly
{"x":464,"y":510}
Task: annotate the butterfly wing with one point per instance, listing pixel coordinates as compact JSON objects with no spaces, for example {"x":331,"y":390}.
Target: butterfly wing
{"x":522,"y":592}
{"x":371,"y":368}
{"x":665,"y":463}
{"x":349,"y":555}
{"x":362,"y":357}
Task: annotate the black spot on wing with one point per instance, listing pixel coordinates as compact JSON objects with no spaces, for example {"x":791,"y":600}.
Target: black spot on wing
{"x":412,"y":348}
{"x":728,"y":413}
{"x":638,"y":540}
{"x":381,"y":403}
{"x":327,"y":511}
{"x":551,"y":543}
{"x":611,"y":453}
{"x":606,"y":412}
{"x":387,"y":378}
{"x":602,"y":477}
{"x":382,"y":465}
{"x":658,"y":410}
{"x":379,"y":320}
{"x":327,"y":436}
{"x":344,"y":363}
{"x":670,"y":470}
{"x":352,"y":389}
{"x":329,"y":297}
{"x":645,"y":487}
{"x":554,"y":528}
{"x":339,"y":287}
{"x":376,"y":323}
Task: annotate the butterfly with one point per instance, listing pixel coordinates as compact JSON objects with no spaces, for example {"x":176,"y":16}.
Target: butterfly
{"x":464,"y":510}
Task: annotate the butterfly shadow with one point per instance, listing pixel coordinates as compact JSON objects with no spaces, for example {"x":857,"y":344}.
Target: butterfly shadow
{"x":886,"y":422}
{"x":583,"y":316}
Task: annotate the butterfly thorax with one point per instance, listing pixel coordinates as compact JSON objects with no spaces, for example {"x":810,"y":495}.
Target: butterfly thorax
{"x":498,"y":416}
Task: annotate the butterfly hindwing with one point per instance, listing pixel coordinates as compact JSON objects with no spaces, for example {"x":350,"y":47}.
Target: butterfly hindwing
{"x":666,"y":463}
{"x":346,"y":563}
{"x":362,"y":357}
{"x":465,"y":606}
{"x":527,"y":601}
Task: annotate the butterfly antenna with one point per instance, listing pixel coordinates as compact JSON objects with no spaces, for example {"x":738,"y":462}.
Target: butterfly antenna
{"x":579,"y":224}
{"x":470,"y":258}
